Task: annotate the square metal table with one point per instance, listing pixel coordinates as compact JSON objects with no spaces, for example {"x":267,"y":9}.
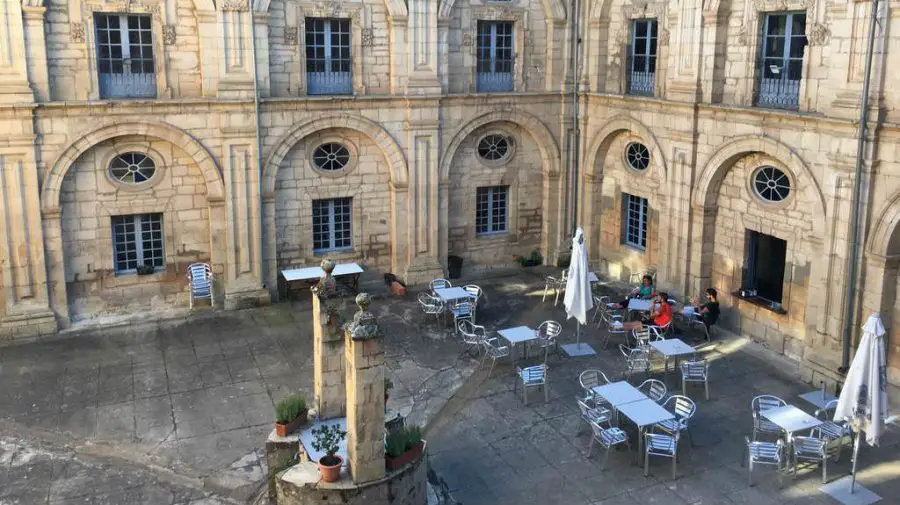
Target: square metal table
{"x":819,"y":398}
{"x":311,"y":275}
{"x":790,"y":418}
{"x":450,"y":294}
{"x":638,"y":305}
{"x":518,"y":335}
{"x":644,"y":413}
{"x":672,"y":348}
{"x":619,"y":393}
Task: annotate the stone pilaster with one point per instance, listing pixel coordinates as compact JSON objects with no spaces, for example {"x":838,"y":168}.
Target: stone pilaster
{"x":36,"y":52}
{"x":364,"y":351}
{"x":422,"y":54}
{"x":235,"y":47}
{"x":328,"y":352}
{"x":425,"y":216}
{"x":13,"y":69}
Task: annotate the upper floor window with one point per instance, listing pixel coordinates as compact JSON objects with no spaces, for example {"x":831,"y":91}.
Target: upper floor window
{"x":328,"y":63}
{"x":491,"y":210}
{"x":495,"y":57}
{"x":642,"y":57}
{"x":784,"y":39}
{"x":332,"y":224}
{"x":125,"y":55}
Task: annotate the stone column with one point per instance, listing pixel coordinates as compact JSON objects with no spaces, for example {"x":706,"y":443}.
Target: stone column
{"x":13,"y":69}
{"x":36,"y":52}
{"x":364,"y":351}
{"x":328,"y":354}
{"x":424,"y":219}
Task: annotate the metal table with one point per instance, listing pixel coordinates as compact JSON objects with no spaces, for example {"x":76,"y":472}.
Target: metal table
{"x":518,"y":335}
{"x":671,"y":348}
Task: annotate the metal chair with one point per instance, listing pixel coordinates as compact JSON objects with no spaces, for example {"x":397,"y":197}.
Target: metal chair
{"x":200,"y":277}
{"x":810,"y":449}
{"x":832,"y":430}
{"x":555,"y":284}
{"x":431,"y":306}
{"x":761,"y":424}
{"x":654,"y":389}
{"x":493,"y":350}
{"x":695,"y":371}
{"x":684,"y":409}
{"x":462,"y":311}
{"x":666,"y":446}
{"x":638,"y":277}
{"x":475,"y":293}
{"x":591,"y":413}
{"x":662,"y":331}
{"x":600,"y":306}
{"x":613,"y":324}
{"x":472,"y":335}
{"x":533,"y":376}
{"x":547,"y":334}
{"x":608,"y":438}
{"x":439,"y":284}
{"x":589,"y":379}
{"x":763,"y":453}
{"x":637,"y":359}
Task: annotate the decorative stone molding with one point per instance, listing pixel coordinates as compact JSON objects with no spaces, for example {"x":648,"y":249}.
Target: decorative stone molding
{"x":364,"y":325}
{"x":743,"y":35}
{"x":235,"y":5}
{"x":291,"y":37}
{"x":368,"y":37}
{"x":663,"y":36}
{"x":782,"y":5}
{"x":130,"y":6}
{"x":817,"y":34}
{"x":76,"y":31}
{"x":168,"y":35}
{"x":331,"y":9}
{"x":498,"y":13}
{"x":468,"y":38}
{"x":640,"y":9}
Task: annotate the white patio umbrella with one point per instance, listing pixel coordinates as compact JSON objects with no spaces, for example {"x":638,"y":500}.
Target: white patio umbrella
{"x":863,"y":399}
{"x":578,"y":300}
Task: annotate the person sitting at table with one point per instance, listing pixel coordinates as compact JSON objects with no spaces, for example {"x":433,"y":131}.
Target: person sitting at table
{"x":660,"y":314}
{"x":645,"y":291}
{"x":707,"y":313}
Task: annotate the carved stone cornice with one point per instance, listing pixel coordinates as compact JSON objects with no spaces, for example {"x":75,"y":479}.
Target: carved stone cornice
{"x":497,"y":13}
{"x":130,"y":6}
{"x":331,"y":9}
{"x":641,"y":9}
{"x":235,"y":6}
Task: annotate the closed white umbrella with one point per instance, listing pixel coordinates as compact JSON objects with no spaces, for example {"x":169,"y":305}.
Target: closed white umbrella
{"x":863,"y":399}
{"x":578,"y":300}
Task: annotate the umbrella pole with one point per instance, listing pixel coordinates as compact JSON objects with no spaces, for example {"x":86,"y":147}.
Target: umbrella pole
{"x":578,"y":335}
{"x":853,"y":466}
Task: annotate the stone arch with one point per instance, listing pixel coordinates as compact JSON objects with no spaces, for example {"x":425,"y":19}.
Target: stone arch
{"x":554,"y":9}
{"x":215,"y":185}
{"x":615,"y":126}
{"x":550,"y":156}
{"x":718,"y":165}
{"x":396,"y":9}
{"x":378,"y":135}
{"x":886,"y":226}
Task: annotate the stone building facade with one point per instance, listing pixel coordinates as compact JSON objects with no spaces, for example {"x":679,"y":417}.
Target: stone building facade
{"x":716,"y":144}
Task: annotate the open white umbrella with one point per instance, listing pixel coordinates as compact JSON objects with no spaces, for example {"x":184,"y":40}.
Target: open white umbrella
{"x":578,"y":300}
{"x":863,"y":399}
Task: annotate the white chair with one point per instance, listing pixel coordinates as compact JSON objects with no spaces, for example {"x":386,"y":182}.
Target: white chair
{"x":763,"y":453}
{"x":695,"y":371}
{"x":558,"y":285}
{"x":665,"y":446}
{"x":684,"y":409}
{"x":636,"y":360}
{"x":654,"y":389}
{"x":472,"y":335}
{"x":462,"y":311}
{"x":439,"y":284}
{"x":613,"y":324}
{"x":832,"y":430}
{"x":200,"y":277}
{"x":608,"y":438}
{"x":547,"y":334}
{"x":810,"y":449}
{"x":592,"y":414}
{"x":431,"y":306}
{"x":600,"y":306}
{"x":533,"y":376}
{"x":493,"y":350}
{"x":760,"y":423}
{"x":474,"y":295}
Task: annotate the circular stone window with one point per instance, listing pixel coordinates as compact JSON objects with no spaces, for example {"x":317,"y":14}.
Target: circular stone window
{"x":637,"y":156}
{"x":331,"y":157}
{"x":132,"y":168}
{"x":771,"y":184}
{"x":493,"y":147}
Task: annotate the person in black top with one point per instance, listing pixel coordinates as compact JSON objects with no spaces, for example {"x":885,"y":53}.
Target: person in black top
{"x":709,"y":311}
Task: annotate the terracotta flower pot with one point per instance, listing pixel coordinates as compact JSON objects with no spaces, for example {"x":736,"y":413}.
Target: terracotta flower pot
{"x":407,"y":457}
{"x":330,"y":468}
{"x":283,"y":430}
{"x":398,"y":289}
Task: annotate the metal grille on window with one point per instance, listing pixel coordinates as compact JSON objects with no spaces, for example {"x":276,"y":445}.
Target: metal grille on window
{"x":493,"y":147}
{"x":635,"y":221}
{"x":125,"y":56}
{"x":332,"y":224}
{"x":784,"y":40}
{"x":132,"y":168}
{"x":491,"y":210}
{"x":331,"y":156}
{"x":328,"y":62}
{"x":637,"y":155}
{"x":642,"y":57}
{"x":771,"y":184}
{"x":137,"y":240}
{"x":494,"y":56}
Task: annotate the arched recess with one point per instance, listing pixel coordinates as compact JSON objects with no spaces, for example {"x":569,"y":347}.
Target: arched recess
{"x":880,"y":284}
{"x":553,"y":9}
{"x":399,"y":180}
{"x":591,"y":187}
{"x":886,"y":231}
{"x":550,"y":164}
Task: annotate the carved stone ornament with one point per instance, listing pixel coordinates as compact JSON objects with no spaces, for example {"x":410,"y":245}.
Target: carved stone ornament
{"x":334,"y":10}
{"x":123,"y":6}
{"x":817,"y":34}
{"x":235,"y":5}
{"x":497,"y":13}
{"x":364,"y":325}
{"x":743,"y":35}
{"x":327,"y":286}
{"x":168,"y":35}
{"x":368,"y":37}
{"x":468,"y":38}
{"x":663,"y":37}
{"x":291,"y":35}
{"x":77,"y":32}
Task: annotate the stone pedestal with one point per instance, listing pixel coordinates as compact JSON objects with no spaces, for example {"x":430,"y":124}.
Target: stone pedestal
{"x":328,"y":358}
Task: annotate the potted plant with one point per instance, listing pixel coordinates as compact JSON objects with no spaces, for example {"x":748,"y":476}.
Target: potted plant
{"x":388,"y":385}
{"x":395,"y":284}
{"x":145,"y":269}
{"x":534,"y":259}
{"x":290,"y":414}
{"x":403,"y":446}
{"x":327,"y":438}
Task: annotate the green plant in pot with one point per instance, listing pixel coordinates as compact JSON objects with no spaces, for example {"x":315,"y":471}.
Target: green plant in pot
{"x":532,"y":260}
{"x":403,"y":446}
{"x":327,"y":438}
{"x":145,"y":269}
{"x":388,"y":385}
{"x":290,"y":414}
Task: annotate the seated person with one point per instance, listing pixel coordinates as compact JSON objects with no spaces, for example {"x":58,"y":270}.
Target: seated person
{"x":645,"y":291}
{"x":708,"y":313}
{"x":660,"y":314}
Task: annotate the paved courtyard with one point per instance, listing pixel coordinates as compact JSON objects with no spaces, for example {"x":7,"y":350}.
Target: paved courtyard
{"x":195,"y":396}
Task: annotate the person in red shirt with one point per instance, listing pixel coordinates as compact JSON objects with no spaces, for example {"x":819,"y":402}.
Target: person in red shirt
{"x":660,"y":314}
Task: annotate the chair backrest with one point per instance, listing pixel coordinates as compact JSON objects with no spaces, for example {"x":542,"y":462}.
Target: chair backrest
{"x":472,"y":333}
{"x":439,"y":284}
{"x":608,"y":320}
{"x":564,"y":276}
{"x":810,"y":444}
{"x":699,"y":368}
{"x":654,"y":389}
{"x":641,"y":336}
{"x":682,"y":406}
{"x":549,"y":329}
{"x":200,"y":275}
{"x":463,"y":305}
{"x":590,"y":379}
{"x":765,"y":402}
{"x":827,"y":412}
{"x":533,"y":373}
{"x":473,"y":290}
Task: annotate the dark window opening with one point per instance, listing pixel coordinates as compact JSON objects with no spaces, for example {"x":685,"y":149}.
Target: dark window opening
{"x":764,"y":266}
